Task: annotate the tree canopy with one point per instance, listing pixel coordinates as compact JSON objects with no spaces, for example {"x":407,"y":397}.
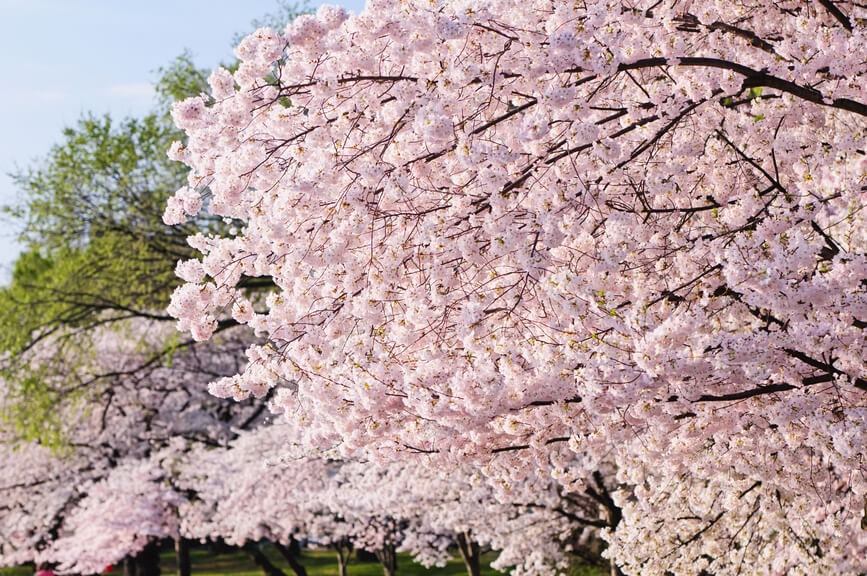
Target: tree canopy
{"x":604,"y":236}
{"x":96,"y":252}
{"x":518,"y":275}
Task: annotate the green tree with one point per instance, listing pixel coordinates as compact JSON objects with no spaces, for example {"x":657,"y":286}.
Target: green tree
{"x":98,"y":194}
{"x":96,"y":251}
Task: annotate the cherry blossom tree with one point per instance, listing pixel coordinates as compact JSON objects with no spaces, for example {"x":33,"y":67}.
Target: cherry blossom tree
{"x":127,"y":512}
{"x":253,"y":490}
{"x":625,"y":239}
{"x":34,"y":494}
{"x":250,"y":490}
{"x":534,"y":526}
{"x":86,"y":367}
{"x":129,"y":414}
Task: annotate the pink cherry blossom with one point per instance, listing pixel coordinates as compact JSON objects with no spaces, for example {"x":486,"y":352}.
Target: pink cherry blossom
{"x":626,"y":238}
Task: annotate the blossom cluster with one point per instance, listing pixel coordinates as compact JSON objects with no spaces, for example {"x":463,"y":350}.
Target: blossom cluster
{"x":503,"y":232}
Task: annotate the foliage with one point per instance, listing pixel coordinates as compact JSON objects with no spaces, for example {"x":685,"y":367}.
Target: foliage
{"x":287,"y":11}
{"x":93,"y":199}
{"x":104,"y":177}
{"x":96,"y":252}
{"x":179,"y":80}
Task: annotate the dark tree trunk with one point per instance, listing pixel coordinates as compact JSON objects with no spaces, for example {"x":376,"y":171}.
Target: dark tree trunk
{"x":344,"y":551}
{"x":129,"y":566}
{"x":612,"y":512}
{"x":148,"y":560}
{"x":262,"y":561}
{"x":470,"y":552}
{"x":291,"y":553}
{"x":387,"y":556}
{"x":182,"y":551}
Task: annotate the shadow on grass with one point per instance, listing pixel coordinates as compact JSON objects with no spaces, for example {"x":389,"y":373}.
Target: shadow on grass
{"x":317,"y":562}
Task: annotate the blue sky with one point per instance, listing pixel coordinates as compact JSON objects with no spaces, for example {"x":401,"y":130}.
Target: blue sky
{"x":62,"y":58}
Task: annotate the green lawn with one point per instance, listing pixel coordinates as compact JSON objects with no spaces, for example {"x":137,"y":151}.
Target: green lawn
{"x":317,"y":563}
{"x":324,"y":563}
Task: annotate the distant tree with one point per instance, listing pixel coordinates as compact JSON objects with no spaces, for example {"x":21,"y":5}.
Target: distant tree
{"x":95,"y":250}
{"x":140,"y":415}
{"x":98,"y":392}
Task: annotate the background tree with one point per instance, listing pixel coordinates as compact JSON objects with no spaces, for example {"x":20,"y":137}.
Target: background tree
{"x":91,"y":365}
{"x":117,"y":471}
{"x":95,"y":252}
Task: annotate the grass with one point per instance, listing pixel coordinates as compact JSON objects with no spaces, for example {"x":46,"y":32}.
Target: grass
{"x":317,"y":563}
